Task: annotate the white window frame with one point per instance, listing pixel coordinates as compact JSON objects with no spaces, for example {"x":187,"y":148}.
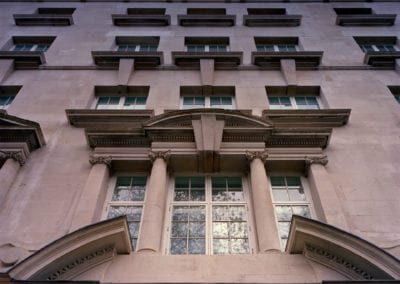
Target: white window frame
{"x":307,"y":202}
{"x":207,"y":102}
{"x":294,"y":104}
{"x":137,"y":47}
{"x":121,"y":103}
{"x":8,"y":101}
{"x":207,"y":47}
{"x":375,"y":47}
{"x":32,"y":47}
{"x":275,"y":47}
{"x":109,"y":203}
{"x":208,"y":203}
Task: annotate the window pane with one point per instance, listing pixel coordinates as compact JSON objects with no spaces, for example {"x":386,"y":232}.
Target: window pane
{"x":293,"y":181}
{"x":278,"y":181}
{"x":238,"y":230}
{"x":280,"y":194}
{"x":220,"y":246}
{"x":179,"y":229}
{"x":42,"y":47}
{"x":220,"y":213}
{"x":182,"y":182}
{"x":239,"y":246}
{"x":220,"y":230}
{"x":283,"y":213}
{"x":197,"y":213}
{"x":302,"y":211}
{"x":284,"y":228}
{"x":178,"y":246}
{"x":180,"y":213}
{"x":197,"y":246}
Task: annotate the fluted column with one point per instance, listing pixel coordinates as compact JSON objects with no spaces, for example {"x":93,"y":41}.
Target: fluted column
{"x":266,"y":228}
{"x":9,"y":171}
{"x":326,"y":200}
{"x":93,"y":195}
{"x":154,"y":209}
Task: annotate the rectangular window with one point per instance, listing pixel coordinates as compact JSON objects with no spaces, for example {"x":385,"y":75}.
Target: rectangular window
{"x":193,"y":102}
{"x":31,"y":47}
{"x":127,"y":199}
{"x":5,"y":101}
{"x":296,"y":102}
{"x":206,"y":48}
{"x":209,"y":216}
{"x":288,"y":198}
{"x":121,"y":102}
{"x":275,"y":47}
{"x":221,"y":102}
{"x":378,"y":47}
{"x":139,"y":47}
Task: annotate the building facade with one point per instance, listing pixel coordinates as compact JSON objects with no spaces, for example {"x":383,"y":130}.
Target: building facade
{"x":199,"y":141}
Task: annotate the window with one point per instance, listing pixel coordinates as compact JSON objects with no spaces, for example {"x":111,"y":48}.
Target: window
{"x":207,"y":44}
{"x":297,"y":102}
{"x":206,"y":48}
{"x":276,"y":47}
{"x":136,"y":44}
{"x":289,"y":198}
{"x":31,"y":47}
{"x":208,"y":216}
{"x":121,"y":102}
{"x":192,"y":102}
{"x":5,"y":101}
{"x":140,"y":47}
{"x":378,"y":47}
{"x":127,"y":199}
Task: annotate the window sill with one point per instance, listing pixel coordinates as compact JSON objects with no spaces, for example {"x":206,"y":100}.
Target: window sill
{"x":141,"y":20}
{"x":206,"y":20}
{"x":308,"y":118}
{"x":305,"y":60}
{"x":381,"y":59}
{"x":272,"y":20}
{"x":223,"y":60}
{"x":366,"y":20}
{"x":143,"y":59}
{"x":24,"y":59}
{"x":43,"y":20}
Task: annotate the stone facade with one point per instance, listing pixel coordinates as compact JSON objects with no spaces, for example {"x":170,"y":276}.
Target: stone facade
{"x":62,"y":157}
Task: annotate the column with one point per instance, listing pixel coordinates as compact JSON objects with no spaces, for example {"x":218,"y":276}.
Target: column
{"x":93,"y":195}
{"x":326,"y":201}
{"x":153,"y":214}
{"x":9,"y":171}
{"x":266,"y":228}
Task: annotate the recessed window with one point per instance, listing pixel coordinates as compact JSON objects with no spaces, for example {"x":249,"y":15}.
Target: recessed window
{"x":276,"y":44}
{"x":7,"y":95}
{"x":289,"y":198}
{"x":207,"y":44}
{"x":377,"y":44}
{"x":215,"y":97}
{"x":127,"y":198}
{"x":208,"y":216}
{"x":137,"y":44}
{"x":31,"y":47}
{"x":301,"y":97}
{"x":125,"y":97}
{"x":30,"y":44}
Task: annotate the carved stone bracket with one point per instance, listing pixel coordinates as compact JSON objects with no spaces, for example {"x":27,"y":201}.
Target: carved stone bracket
{"x":100,"y":160}
{"x":16,"y":156}
{"x":323,"y":160}
{"x":165,"y":155}
{"x":262,"y":155}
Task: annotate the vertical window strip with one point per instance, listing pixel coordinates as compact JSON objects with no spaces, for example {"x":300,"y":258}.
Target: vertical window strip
{"x":128,"y":199}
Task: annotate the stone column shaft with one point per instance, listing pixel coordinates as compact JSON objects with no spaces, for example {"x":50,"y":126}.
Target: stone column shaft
{"x":154,"y":210}
{"x":267,"y":232}
{"x":326,"y":201}
{"x":93,"y":195}
{"x":8,"y":173}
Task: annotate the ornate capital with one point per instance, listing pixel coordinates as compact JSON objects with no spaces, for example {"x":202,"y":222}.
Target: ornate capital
{"x":94,"y":160}
{"x":262,"y":155}
{"x":165,"y":155}
{"x":16,"y":156}
{"x":323,"y":160}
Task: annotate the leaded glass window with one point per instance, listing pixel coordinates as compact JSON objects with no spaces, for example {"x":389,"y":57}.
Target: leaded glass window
{"x":127,"y":199}
{"x":289,"y":198}
{"x":208,"y":216}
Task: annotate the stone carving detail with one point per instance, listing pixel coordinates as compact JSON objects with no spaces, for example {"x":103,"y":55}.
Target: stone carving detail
{"x":16,"y":156}
{"x":262,"y":155}
{"x":352,"y":268}
{"x":57,"y":275}
{"x":100,"y":160}
{"x":323,"y":160}
{"x":165,"y":155}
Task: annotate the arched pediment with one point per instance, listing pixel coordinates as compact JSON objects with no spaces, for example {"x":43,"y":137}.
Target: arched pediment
{"x":184,"y":118}
{"x":76,"y":252}
{"x":343,"y":252}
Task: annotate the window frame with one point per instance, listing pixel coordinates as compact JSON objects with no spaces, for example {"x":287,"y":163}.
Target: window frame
{"x":307,"y":202}
{"x":207,"y":102}
{"x":293,"y":102}
{"x":276,"y":47}
{"x":33,"y":47}
{"x":208,"y":204}
{"x":137,"y":47}
{"x":109,"y":202}
{"x":122,"y":103}
{"x":375,"y":47}
{"x":207,"y":47}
